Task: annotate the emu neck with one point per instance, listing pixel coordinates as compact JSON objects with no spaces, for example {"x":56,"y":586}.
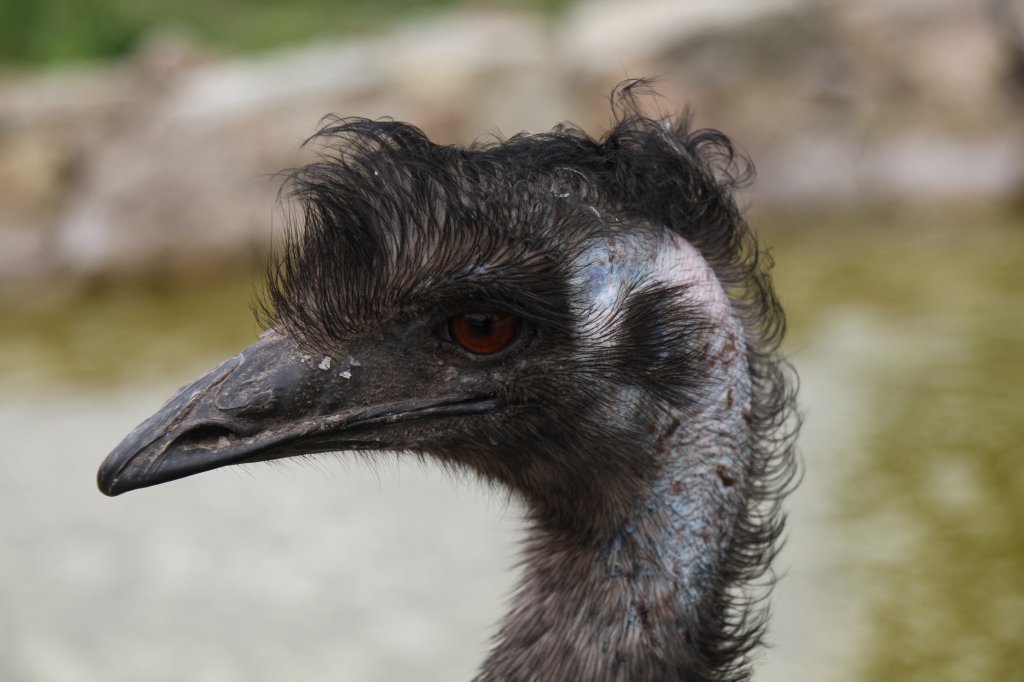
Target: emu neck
{"x":644,"y":602}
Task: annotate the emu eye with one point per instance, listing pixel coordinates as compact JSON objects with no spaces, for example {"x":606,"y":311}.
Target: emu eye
{"x":483,"y":333}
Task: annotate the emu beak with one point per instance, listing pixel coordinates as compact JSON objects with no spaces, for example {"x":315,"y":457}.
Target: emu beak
{"x":268,"y":402}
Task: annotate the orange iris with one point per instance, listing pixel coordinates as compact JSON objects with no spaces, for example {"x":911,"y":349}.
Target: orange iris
{"x":483,"y":333}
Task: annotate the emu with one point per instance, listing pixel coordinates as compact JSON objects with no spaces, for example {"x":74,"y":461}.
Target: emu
{"x":588,"y":323}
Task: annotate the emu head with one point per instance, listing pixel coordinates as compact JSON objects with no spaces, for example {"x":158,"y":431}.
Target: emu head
{"x":552,"y":312}
{"x":589,"y":323}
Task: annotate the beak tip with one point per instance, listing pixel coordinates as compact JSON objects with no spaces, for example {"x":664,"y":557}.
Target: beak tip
{"x":106,"y":479}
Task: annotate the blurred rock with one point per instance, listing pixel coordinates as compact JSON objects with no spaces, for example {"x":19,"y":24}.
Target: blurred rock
{"x":865,"y":101}
{"x":165,"y":163}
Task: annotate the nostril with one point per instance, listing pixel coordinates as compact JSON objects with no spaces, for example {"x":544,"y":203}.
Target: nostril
{"x":207,"y":435}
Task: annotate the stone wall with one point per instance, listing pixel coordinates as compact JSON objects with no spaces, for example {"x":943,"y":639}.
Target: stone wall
{"x":165,"y":162}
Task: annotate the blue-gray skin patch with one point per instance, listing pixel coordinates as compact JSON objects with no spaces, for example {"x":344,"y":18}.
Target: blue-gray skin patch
{"x":697,"y":497}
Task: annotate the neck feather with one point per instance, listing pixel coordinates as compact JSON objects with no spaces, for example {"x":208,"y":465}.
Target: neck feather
{"x":650,"y":600}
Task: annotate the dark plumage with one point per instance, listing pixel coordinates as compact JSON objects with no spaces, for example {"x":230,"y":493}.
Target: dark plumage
{"x":636,"y":400}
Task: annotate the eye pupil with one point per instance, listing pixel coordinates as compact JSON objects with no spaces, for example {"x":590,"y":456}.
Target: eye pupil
{"x":483,"y":333}
{"x":479,"y":324}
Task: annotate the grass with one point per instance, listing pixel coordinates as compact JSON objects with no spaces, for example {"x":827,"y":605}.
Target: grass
{"x":59,"y":31}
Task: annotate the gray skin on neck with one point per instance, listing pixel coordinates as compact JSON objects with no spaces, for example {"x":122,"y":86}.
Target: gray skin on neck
{"x":626,"y":606}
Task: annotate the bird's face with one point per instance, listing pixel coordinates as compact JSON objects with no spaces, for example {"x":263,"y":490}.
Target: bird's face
{"x":491,"y":378}
{"x":489,"y":310}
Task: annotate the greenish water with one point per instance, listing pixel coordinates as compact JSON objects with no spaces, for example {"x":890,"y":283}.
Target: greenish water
{"x":123,"y":335}
{"x":933,"y":503}
{"x":908,"y":331}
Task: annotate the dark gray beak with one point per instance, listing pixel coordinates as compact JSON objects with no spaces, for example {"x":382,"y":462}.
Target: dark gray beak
{"x":273,"y":401}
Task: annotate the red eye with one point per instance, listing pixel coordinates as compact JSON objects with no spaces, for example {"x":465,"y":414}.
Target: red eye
{"x":483,"y":333}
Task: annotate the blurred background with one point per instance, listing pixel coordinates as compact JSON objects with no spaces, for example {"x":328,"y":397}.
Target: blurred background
{"x":138,"y":146}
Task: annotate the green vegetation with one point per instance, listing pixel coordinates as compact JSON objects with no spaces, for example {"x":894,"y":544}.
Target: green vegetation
{"x":48,"y":31}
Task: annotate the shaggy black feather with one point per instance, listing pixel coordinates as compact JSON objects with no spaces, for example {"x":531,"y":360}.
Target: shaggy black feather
{"x":392,"y":227}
